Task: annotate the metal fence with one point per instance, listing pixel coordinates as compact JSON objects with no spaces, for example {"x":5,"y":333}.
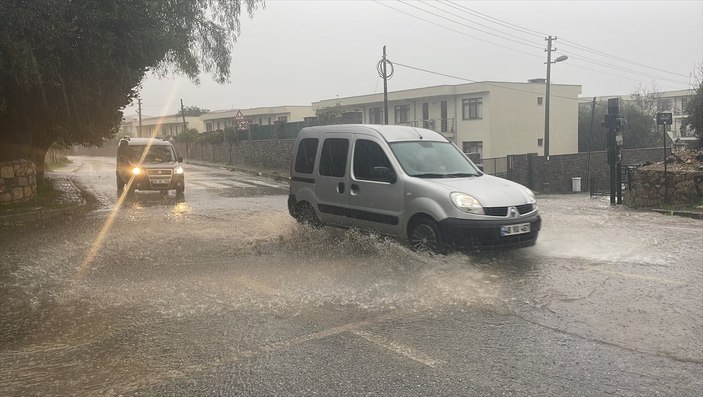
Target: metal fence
{"x":497,"y":166}
{"x":276,"y":131}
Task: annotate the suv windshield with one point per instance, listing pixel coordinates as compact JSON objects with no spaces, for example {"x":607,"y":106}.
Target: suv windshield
{"x":156,"y":154}
{"x":433,"y":160}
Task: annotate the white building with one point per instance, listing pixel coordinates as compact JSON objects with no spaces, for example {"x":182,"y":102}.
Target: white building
{"x":161,"y":126}
{"x":494,"y":119}
{"x":674,"y":102}
{"x":220,"y":119}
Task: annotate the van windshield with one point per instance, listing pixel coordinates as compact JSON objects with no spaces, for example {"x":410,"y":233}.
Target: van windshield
{"x":433,"y":160}
{"x":156,"y":154}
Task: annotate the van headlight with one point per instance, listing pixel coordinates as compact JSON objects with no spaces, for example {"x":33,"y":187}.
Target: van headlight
{"x":178,"y":170}
{"x":136,"y":171}
{"x":466,"y":203}
{"x":530,"y":196}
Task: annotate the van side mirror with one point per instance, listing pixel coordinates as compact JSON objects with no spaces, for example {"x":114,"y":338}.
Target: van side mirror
{"x":480,"y":167}
{"x":384,"y":174}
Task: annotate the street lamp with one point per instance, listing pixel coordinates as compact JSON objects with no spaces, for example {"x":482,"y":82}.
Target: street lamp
{"x":546,"y":102}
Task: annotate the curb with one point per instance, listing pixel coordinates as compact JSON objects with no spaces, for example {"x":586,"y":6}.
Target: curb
{"x":687,"y":214}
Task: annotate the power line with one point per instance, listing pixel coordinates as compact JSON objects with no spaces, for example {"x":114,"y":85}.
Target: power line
{"x":454,"y":30}
{"x":521,"y":42}
{"x":474,"y":81}
{"x":568,"y":42}
{"x":493,"y":20}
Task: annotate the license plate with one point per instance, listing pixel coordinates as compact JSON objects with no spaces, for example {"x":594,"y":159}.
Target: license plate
{"x":510,"y":230}
{"x":160,"y":181}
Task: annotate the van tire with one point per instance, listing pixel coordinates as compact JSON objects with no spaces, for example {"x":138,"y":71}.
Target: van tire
{"x":424,"y":236}
{"x":306,"y":215}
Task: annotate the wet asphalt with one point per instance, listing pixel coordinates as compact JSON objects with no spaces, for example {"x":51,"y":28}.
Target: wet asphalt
{"x":220,"y":292}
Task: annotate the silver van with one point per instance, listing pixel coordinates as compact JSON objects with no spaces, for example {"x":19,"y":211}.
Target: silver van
{"x":406,"y":182}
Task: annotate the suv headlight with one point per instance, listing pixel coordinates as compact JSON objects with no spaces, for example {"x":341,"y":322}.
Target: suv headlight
{"x":136,"y":171}
{"x":178,"y":170}
{"x":466,"y":203}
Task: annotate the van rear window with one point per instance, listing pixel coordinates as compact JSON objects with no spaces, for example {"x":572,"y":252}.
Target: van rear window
{"x":305,"y":158}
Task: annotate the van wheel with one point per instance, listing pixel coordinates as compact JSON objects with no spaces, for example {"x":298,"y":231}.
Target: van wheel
{"x":424,"y":236}
{"x":307,"y":216}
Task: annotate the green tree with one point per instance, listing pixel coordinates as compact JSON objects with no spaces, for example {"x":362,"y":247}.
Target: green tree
{"x":192,"y":111}
{"x":187,"y":137}
{"x":694,"y":108}
{"x":329,"y":115}
{"x":68,"y":67}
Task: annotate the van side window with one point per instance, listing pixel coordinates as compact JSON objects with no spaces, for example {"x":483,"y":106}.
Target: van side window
{"x":367,"y":155}
{"x":333,"y":159}
{"x":305,"y":158}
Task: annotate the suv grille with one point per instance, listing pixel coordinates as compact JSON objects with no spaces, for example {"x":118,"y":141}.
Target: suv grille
{"x":503,"y":211}
{"x":165,"y":172}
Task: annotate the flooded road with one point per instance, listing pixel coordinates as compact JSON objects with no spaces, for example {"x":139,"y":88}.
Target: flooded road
{"x":222,"y":293}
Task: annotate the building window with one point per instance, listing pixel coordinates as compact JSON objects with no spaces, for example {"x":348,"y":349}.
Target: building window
{"x":425,"y":115}
{"x":474,"y":147}
{"x":282,"y":119}
{"x":540,"y":100}
{"x":443,"y":115}
{"x":208,"y":127}
{"x":540,"y":142}
{"x":401,"y":114}
{"x":376,"y":116}
{"x":472,"y":108}
{"x":664,"y":104}
{"x":269,"y":121}
{"x":684,"y":102}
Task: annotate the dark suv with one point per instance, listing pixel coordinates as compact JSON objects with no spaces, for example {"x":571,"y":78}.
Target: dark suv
{"x":152,"y":162}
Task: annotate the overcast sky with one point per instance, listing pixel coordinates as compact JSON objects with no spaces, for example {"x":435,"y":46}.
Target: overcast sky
{"x":299,"y":52}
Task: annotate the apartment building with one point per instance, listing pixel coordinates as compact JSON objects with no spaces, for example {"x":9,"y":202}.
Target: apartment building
{"x":493,"y":119}
{"x":220,"y":119}
{"x":674,"y":102}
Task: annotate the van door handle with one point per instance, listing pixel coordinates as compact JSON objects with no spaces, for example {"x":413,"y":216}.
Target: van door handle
{"x":354,"y":189}
{"x":340,"y":187}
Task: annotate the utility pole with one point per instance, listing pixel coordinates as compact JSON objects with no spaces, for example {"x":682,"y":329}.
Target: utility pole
{"x":590,"y":138}
{"x":183,"y":114}
{"x":139,"y":111}
{"x":546,"y":95}
{"x":382,"y":68}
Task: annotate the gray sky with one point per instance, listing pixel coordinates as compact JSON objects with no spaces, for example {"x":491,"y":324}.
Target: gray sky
{"x":298,"y":52}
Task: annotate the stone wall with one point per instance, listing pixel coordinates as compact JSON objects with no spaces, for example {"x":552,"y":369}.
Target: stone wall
{"x":273,"y":154}
{"x":18,"y":181}
{"x":648,"y":188}
{"x":555,"y":175}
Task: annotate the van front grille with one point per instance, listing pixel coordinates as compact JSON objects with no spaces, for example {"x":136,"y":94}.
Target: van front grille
{"x":503,"y":211}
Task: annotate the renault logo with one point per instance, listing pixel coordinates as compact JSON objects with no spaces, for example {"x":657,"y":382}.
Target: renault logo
{"x":512,"y":212}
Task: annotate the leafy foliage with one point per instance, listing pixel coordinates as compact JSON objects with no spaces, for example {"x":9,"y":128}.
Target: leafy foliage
{"x":329,"y":115}
{"x":694,"y":108}
{"x":68,"y":67}
{"x":192,"y":111}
